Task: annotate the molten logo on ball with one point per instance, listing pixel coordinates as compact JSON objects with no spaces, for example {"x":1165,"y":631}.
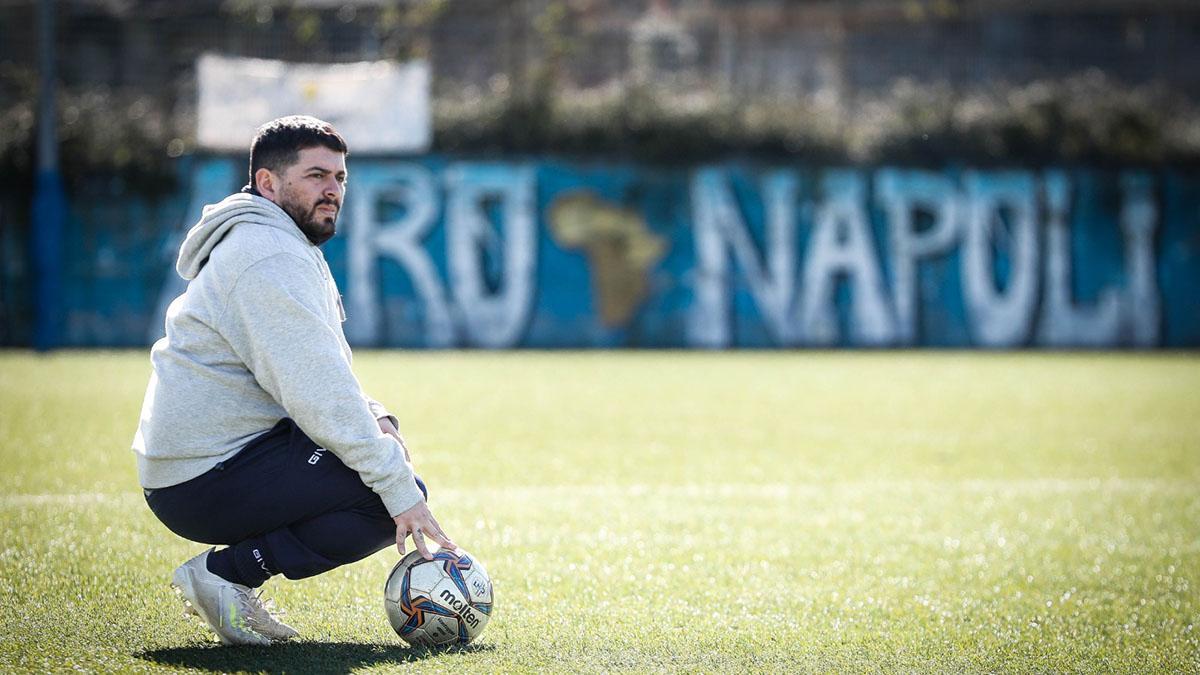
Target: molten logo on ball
{"x":461,"y":606}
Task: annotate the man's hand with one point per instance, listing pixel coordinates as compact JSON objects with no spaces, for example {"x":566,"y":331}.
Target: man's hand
{"x":419,"y":522}
{"x":386,"y":426}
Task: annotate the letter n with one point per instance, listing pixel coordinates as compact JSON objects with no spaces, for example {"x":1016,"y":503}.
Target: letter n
{"x":719,"y":231}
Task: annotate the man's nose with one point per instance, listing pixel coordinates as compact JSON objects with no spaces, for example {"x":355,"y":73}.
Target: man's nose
{"x":333,"y":188}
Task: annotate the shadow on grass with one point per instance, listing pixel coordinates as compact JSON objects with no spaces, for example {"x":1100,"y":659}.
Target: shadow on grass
{"x":306,"y":657}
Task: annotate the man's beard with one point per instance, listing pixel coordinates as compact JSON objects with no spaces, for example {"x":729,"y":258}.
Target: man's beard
{"x":318,"y":228}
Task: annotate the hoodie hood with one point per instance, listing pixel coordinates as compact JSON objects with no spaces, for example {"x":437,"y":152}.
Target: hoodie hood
{"x":220,"y":218}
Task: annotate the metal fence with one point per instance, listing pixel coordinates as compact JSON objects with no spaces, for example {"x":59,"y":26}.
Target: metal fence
{"x":748,"y":49}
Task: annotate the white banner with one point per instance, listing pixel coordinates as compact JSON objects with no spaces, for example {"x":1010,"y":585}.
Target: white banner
{"x":378,"y":107}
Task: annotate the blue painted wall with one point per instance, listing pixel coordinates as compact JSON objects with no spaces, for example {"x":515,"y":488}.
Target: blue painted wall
{"x":457,"y":252}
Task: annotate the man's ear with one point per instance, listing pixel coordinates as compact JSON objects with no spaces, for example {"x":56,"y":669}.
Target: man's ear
{"x":266,"y":183}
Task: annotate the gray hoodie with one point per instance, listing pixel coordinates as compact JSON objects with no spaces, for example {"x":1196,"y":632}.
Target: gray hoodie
{"x":258,"y":337}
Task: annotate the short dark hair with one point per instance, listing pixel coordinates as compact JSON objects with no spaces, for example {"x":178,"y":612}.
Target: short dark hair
{"x":277,"y":144}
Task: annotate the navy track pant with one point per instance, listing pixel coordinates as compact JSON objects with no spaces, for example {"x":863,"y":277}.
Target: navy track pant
{"x":282,"y":504}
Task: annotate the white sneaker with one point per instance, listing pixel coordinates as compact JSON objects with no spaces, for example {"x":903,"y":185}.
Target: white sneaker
{"x":235,"y":613}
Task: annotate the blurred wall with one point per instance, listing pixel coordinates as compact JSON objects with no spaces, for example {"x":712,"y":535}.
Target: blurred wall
{"x":465,"y":252}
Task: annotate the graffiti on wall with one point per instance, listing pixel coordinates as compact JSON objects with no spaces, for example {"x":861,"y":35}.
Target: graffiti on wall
{"x":984,"y":215}
{"x":621,"y":251}
{"x":490,"y":253}
{"x":509,"y":254}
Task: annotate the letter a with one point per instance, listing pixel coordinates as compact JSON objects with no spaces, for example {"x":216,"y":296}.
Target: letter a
{"x":841,"y":243}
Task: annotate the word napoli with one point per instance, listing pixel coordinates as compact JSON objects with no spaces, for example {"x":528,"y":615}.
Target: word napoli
{"x":797,"y":257}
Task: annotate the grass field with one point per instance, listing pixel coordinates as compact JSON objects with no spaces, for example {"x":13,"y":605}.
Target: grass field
{"x":803,"y":511}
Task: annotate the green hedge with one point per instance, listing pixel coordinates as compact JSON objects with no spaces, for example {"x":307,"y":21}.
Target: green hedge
{"x":134,"y":137}
{"x":1086,"y":119}
{"x":130,"y":137}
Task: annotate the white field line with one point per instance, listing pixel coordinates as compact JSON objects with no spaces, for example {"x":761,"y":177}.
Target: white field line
{"x":708,"y":491}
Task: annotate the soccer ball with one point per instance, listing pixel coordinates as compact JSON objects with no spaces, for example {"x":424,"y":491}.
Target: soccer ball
{"x":439,"y":602}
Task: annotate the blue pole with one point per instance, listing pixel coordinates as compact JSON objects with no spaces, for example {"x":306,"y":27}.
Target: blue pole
{"x":49,"y":201}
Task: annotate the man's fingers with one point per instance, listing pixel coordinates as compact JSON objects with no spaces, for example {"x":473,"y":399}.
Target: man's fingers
{"x":439,"y":535}
{"x":419,"y":542}
{"x":419,"y":523}
{"x":445,"y":542}
{"x":438,"y":527}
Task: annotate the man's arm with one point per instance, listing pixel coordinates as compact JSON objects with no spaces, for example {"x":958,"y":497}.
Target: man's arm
{"x":276,"y":321}
{"x":388,"y":426}
{"x":418,"y":519}
{"x":378,"y":410}
{"x":388,"y":423}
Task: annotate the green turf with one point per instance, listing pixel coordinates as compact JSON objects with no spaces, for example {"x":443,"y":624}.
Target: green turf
{"x":671,"y":511}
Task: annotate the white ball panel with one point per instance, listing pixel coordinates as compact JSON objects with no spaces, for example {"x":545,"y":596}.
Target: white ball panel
{"x":425,"y":576}
{"x":418,"y":638}
{"x":395,"y":583}
{"x":441,"y":629}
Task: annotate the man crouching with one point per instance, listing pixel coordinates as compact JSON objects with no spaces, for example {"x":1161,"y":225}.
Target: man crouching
{"x":255,"y":433}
